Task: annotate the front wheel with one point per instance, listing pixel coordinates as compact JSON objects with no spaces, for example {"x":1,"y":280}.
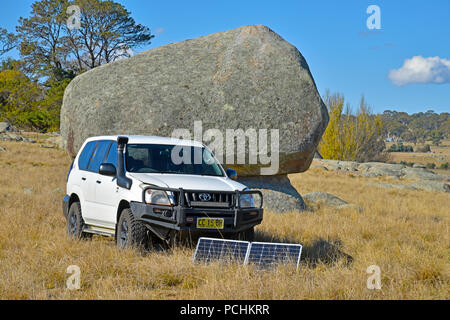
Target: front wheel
{"x":247,"y":235}
{"x":130,"y":232}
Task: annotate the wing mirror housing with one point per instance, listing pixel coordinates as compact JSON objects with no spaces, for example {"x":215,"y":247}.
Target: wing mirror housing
{"x":107,"y":169}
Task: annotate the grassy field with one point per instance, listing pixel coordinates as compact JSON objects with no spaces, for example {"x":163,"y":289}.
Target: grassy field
{"x":404,"y":232}
{"x":438,"y":155}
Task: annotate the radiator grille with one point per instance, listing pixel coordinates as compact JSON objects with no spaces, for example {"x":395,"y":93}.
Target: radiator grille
{"x":209,"y":199}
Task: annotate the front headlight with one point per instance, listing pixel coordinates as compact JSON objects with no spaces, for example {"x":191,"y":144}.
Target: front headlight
{"x":157,"y":197}
{"x":247,"y":201}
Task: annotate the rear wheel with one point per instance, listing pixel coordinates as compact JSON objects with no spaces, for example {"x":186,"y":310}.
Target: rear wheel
{"x":130,"y":232}
{"x":75,"y":223}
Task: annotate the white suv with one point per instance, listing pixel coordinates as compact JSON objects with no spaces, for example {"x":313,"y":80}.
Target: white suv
{"x":130,"y":188}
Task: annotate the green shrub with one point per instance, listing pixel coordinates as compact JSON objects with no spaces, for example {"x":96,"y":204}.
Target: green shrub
{"x":444,"y":166}
{"x":431,"y":165}
{"x":408,"y":164}
{"x":36,"y":119}
{"x":400,"y":148}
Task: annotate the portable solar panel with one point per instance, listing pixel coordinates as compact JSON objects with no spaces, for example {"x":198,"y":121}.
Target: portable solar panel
{"x":269,"y":254}
{"x":210,"y":249}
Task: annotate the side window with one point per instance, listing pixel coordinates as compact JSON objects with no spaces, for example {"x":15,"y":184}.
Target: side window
{"x":85,"y":155}
{"x":99,"y":156}
{"x":112,"y":156}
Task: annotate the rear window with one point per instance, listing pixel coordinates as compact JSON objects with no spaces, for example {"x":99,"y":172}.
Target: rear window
{"x":99,"y":156}
{"x":85,"y":155}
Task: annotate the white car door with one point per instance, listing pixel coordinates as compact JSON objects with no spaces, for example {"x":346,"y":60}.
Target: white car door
{"x":107,"y":191}
{"x":95,"y":213}
{"x":82,"y":178}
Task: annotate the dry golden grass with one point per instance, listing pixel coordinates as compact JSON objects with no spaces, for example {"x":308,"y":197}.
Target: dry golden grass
{"x":404,"y":232}
{"x":438,"y":155}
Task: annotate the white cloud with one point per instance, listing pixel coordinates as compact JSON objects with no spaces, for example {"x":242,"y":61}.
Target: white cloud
{"x":421,"y":70}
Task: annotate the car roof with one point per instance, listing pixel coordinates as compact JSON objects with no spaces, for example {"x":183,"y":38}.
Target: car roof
{"x":149,"y":140}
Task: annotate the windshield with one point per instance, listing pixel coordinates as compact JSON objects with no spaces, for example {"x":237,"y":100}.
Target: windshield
{"x":171,"y":159}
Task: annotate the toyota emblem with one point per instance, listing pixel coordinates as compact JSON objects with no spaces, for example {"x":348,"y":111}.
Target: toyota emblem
{"x":205,"y":197}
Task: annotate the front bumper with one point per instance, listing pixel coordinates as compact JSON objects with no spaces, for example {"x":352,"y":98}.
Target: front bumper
{"x":183,"y":216}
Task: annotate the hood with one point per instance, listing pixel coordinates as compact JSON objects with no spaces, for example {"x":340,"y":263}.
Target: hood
{"x":189,"y":182}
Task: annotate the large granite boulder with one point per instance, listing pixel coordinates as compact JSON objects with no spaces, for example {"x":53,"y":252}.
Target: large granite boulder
{"x":245,"y":78}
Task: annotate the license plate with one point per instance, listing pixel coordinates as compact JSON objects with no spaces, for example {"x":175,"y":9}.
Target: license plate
{"x":210,"y":223}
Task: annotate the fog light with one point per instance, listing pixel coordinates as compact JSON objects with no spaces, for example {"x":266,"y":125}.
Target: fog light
{"x":167,"y":214}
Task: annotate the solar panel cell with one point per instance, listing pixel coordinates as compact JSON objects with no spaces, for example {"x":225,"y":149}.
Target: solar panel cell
{"x":209,"y":249}
{"x":269,"y":254}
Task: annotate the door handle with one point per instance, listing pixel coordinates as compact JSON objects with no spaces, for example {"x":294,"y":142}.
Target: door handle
{"x":84,"y":179}
{"x":99,"y":182}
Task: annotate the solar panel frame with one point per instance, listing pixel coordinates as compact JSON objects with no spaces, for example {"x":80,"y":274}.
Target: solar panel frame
{"x":240,"y":258}
{"x":268,"y":244}
{"x":246,"y":258}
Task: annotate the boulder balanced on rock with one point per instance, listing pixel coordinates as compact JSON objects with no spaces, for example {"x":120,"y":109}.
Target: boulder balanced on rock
{"x":245,"y":78}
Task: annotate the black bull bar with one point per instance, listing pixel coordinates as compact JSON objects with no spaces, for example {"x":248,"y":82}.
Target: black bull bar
{"x":184,"y":213}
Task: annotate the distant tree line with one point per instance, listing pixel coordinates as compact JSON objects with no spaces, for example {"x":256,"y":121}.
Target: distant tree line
{"x":400,"y":148}
{"x":416,"y":128}
{"x":52,"y":52}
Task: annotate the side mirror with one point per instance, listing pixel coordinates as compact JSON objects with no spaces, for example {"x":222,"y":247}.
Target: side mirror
{"x":107,"y":169}
{"x":232,"y":174}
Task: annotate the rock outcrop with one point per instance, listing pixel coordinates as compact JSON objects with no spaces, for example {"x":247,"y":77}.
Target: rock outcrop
{"x":4,"y":127}
{"x":422,"y":178}
{"x":316,"y":199}
{"x":12,"y":137}
{"x":378,"y":169}
{"x":432,"y":186}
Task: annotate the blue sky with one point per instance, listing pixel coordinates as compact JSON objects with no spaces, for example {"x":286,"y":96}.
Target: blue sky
{"x":343,"y":54}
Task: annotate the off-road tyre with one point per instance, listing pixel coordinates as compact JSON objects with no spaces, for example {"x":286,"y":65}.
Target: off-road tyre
{"x":75,"y":223}
{"x":173,"y":239}
{"x":130,"y":233}
{"x":247,"y":235}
